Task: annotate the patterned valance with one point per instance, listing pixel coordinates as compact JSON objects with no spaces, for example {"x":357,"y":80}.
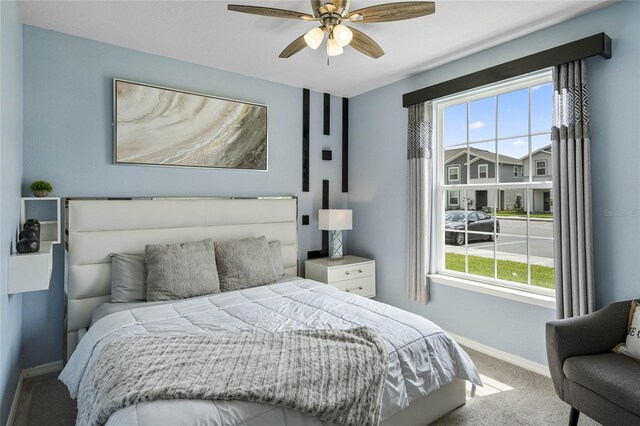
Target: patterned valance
{"x":420,"y":131}
{"x":571,"y":102}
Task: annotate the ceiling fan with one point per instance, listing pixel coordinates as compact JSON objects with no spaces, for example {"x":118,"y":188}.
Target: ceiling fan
{"x":331,"y":15}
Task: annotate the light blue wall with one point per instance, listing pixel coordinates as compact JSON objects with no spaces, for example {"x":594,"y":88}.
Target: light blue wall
{"x":67,"y":131}
{"x":379,"y":174}
{"x":10,"y":176}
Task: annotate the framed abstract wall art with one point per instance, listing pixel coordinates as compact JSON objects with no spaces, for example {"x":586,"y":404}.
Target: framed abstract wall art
{"x":168,"y":127}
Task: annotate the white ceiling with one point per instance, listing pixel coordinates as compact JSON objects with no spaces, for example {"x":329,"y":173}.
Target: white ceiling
{"x":204,"y":32}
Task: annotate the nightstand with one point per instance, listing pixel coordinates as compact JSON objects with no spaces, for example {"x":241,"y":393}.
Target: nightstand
{"x":352,"y":274}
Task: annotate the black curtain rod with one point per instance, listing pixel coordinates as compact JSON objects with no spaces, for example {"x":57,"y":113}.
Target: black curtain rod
{"x":598,"y":44}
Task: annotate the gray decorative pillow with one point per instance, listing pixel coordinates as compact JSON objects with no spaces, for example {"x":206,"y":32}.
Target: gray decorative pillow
{"x":128,"y":278}
{"x":275,"y":250}
{"x":180,"y":271}
{"x":244,"y":263}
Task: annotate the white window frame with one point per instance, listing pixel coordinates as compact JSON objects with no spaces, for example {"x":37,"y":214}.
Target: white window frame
{"x":449,"y":198}
{"x":457,"y":169}
{"x":486,"y":171}
{"x":537,"y":168}
{"x":523,"y":292}
{"x":516,"y":171}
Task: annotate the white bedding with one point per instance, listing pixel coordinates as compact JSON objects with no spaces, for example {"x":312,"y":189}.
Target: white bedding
{"x":422,"y":357}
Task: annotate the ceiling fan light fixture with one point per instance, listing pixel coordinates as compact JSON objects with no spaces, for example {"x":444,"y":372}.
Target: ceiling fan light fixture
{"x":333,"y":47}
{"x":342,"y":35}
{"x":314,"y":38}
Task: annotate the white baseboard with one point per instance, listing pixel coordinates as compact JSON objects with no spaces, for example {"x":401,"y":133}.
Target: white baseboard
{"x":503,"y":356}
{"x":14,"y":403}
{"x":51,"y":367}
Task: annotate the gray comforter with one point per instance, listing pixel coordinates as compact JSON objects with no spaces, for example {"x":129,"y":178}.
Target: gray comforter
{"x":421,"y":356}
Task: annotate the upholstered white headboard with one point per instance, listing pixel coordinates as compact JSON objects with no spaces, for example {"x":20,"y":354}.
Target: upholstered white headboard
{"x":97,"y":227}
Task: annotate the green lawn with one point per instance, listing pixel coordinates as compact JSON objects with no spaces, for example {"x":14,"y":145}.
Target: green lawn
{"x":516,"y":213}
{"x":541,"y":276}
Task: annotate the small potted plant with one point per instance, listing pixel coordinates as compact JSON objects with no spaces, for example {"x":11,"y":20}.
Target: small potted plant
{"x":40,"y":188}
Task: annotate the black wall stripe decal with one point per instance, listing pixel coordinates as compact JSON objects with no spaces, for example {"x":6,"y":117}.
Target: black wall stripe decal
{"x":345,"y":144}
{"x":305,"y":140}
{"x":325,"y":234}
{"x":327,"y":114}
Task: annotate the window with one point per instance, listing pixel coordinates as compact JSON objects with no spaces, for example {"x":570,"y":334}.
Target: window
{"x":483,"y":171}
{"x":498,"y":229}
{"x":453,"y":173}
{"x":454,"y":198}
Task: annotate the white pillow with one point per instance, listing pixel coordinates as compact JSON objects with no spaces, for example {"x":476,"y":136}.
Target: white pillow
{"x":631,"y":347}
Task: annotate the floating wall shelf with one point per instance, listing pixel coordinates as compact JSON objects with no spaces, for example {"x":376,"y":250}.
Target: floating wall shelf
{"x":32,"y":271}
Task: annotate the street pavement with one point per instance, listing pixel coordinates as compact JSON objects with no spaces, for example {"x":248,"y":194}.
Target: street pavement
{"x":514,"y":245}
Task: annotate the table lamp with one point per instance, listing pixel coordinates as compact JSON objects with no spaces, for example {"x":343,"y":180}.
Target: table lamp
{"x":335,"y":221}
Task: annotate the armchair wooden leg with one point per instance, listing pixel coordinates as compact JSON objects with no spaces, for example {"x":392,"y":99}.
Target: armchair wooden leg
{"x":573,"y":417}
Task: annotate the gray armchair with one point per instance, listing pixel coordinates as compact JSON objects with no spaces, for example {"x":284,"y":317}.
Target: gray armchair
{"x":587,"y":375}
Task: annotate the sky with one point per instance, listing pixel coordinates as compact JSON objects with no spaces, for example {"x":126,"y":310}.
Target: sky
{"x":513,"y":121}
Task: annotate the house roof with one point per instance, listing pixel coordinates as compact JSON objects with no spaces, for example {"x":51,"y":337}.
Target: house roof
{"x":546,"y":149}
{"x":452,"y":154}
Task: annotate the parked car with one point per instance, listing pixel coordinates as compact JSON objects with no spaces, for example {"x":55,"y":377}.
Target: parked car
{"x":476,"y":221}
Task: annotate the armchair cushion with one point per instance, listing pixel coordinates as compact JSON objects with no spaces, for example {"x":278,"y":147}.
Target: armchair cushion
{"x":612,"y":376}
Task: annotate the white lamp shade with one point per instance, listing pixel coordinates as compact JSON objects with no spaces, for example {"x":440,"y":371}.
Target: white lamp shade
{"x":335,"y":220}
{"x":314,"y":37}
{"x":342,"y":35}
{"x":333,"y":48}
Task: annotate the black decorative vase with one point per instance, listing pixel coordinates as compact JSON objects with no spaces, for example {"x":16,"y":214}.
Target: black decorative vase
{"x":29,"y":238}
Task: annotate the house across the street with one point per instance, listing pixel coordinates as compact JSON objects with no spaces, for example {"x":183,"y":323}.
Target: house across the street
{"x":479,"y":166}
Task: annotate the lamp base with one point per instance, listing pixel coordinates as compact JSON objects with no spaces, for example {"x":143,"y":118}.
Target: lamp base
{"x":335,"y":245}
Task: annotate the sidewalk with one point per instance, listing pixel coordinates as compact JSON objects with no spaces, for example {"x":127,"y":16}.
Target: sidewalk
{"x":533,"y":219}
{"x":514,"y":257}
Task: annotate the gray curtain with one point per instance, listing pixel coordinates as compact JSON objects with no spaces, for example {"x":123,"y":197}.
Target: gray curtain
{"x":572,"y":231}
{"x":419,"y":137}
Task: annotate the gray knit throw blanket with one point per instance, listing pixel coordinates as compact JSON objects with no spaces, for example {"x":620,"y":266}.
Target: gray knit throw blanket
{"x":335,"y":375}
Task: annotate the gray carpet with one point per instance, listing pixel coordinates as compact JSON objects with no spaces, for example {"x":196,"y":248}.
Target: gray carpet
{"x":512,"y":396}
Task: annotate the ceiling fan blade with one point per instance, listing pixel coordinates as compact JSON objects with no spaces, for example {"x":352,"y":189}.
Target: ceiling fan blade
{"x":393,"y":11}
{"x":269,"y":11}
{"x":295,"y":46}
{"x":365,"y":44}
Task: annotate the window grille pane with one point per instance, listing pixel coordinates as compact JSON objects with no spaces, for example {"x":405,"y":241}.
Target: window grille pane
{"x":482,"y":119}
{"x":511,"y":154}
{"x":540,"y":213}
{"x":542,"y":266}
{"x":513,"y":113}
{"x":482,"y":162}
{"x":455,"y":125}
{"x":455,"y":159}
{"x":541,"y":107}
{"x":512,"y":259}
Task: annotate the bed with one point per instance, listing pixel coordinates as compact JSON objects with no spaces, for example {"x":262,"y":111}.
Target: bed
{"x":427,"y":369}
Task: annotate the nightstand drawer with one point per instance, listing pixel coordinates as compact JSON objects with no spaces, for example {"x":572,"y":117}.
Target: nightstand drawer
{"x":364,"y":286}
{"x":350,"y":272}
